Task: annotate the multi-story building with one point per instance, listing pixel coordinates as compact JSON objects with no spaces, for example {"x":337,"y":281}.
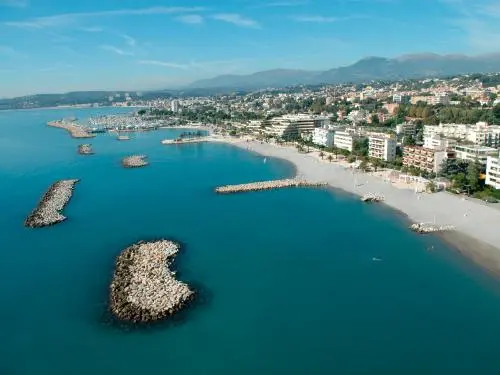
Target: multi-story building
{"x":493,"y":172}
{"x":474,"y":152}
{"x":344,"y":140}
{"x":382,"y":147}
{"x":323,"y":137}
{"x":424,"y":158}
{"x":400,"y":98}
{"x":406,"y":129}
{"x":174,"y":106}
{"x":479,"y":134}
{"x":440,"y":98}
{"x":295,"y":124}
{"x":438,"y":143}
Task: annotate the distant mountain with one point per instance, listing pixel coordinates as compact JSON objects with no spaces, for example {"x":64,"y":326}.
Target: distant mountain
{"x":370,"y":68}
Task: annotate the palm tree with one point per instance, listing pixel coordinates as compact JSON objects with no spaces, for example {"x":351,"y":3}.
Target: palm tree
{"x":321,"y":155}
{"x":330,"y":158}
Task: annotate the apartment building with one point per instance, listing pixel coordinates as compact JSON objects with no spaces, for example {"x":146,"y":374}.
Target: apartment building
{"x":382,"y":147}
{"x":400,"y":98}
{"x":406,"y":129}
{"x":493,"y":172}
{"x":474,"y":152}
{"x":323,"y":137}
{"x":480,"y":133}
{"x":295,"y":124}
{"x":438,"y":142}
{"x":344,"y":140}
{"x":424,"y":158}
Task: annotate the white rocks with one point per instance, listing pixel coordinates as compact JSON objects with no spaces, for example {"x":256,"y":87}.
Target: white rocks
{"x":266,"y":185}
{"x":144,"y":289}
{"x":52,"y":203}
{"x":85,"y":149}
{"x":423,"y":228}
{"x":134,"y":161}
{"x":372,"y":197}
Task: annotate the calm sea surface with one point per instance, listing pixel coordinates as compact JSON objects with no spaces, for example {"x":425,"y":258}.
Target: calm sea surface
{"x":287,"y":277}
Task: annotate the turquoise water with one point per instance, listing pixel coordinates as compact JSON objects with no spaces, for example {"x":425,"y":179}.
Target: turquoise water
{"x":287,"y":277}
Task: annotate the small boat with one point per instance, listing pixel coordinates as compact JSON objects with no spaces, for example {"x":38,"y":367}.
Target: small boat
{"x":265,"y":160}
{"x":376,"y":259}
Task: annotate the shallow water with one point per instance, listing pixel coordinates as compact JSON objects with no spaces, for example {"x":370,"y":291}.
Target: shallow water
{"x":288,"y":277}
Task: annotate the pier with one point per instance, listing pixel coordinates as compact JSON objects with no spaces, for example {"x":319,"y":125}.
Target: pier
{"x":373,"y":197}
{"x":76,"y":130}
{"x":48,"y":211}
{"x":144,"y":288}
{"x":134,"y":161}
{"x":424,"y":228}
{"x":266,"y":185}
{"x":85,"y":149}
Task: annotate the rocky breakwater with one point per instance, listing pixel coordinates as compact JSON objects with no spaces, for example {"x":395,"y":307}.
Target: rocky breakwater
{"x":135,"y":161}
{"x":48,"y":211}
{"x":266,"y":185}
{"x":424,"y":228}
{"x":372,"y":197}
{"x":144,"y":289}
{"x":85,"y":149}
{"x":76,"y":130}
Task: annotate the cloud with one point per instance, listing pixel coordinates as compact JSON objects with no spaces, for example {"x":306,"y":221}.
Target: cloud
{"x":192,"y":19}
{"x":116,"y":50}
{"x":129,"y":40}
{"x":315,"y":19}
{"x":14,"y":3}
{"x":165,"y":64}
{"x":61,"y":20}
{"x":236,"y":19}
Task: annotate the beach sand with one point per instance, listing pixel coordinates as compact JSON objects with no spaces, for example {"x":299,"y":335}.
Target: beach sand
{"x":477,"y":233}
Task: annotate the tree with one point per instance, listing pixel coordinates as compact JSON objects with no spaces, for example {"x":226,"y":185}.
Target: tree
{"x":409,"y":141}
{"x":431,"y":187}
{"x":375,"y":119}
{"x":360,"y":147}
{"x":330,"y":158}
{"x":364,"y":166}
{"x":459,"y":181}
{"x":473,"y":175}
{"x":321,"y":155}
{"x":141,"y":112}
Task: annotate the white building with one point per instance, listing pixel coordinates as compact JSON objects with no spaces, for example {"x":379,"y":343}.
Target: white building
{"x":344,"y":140}
{"x":441,"y":98}
{"x":438,"y":143}
{"x":479,"y":134}
{"x":493,"y":172}
{"x":174,"y":106}
{"x":474,"y":152}
{"x":323,"y":137}
{"x":382,"y":147}
{"x":295,"y":124}
{"x":406,"y":129}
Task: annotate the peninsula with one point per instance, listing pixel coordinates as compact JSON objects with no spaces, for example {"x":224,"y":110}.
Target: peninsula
{"x":75,"y":130}
{"x":48,"y":211}
{"x":144,"y":289}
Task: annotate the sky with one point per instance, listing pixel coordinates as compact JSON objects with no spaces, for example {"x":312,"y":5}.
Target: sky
{"x":63,"y":45}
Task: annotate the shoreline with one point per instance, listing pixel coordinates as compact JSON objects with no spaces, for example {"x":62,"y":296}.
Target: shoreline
{"x":476,"y":236}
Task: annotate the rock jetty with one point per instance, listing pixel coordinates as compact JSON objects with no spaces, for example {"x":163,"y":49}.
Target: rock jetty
{"x":85,"y":149}
{"x":135,"y":161}
{"x":76,"y":130}
{"x":266,"y":185}
{"x":180,"y":141}
{"x":372,"y":197}
{"x":424,"y":228}
{"x":48,"y":211}
{"x":144,"y":289}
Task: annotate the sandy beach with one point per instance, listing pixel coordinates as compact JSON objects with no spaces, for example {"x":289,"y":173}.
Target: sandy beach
{"x":477,"y":235}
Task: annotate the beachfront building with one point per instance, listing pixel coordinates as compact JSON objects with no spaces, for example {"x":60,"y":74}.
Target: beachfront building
{"x":295,"y":125}
{"x":323,"y":137}
{"x":406,"y":129}
{"x":474,"y":152}
{"x":493,"y":172}
{"x":480,"y":133}
{"x":438,"y":142}
{"x":382,"y":147}
{"x":344,"y":140}
{"x":425,"y":159}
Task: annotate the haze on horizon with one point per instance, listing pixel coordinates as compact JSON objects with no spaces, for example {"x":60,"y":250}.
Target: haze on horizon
{"x":59,"y":46}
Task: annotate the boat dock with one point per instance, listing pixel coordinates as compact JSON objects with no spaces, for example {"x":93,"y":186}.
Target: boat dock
{"x":266,"y":185}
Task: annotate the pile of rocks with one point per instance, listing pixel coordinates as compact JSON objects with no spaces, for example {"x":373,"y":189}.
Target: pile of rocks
{"x":135,"y":161}
{"x":423,"y":228}
{"x":48,"y":211}
{"x":144,"y":289}
{"x":372,"y":197}
{"x":76,"y":130}
{"x":266,"y":185}
{"x":85,"y":149}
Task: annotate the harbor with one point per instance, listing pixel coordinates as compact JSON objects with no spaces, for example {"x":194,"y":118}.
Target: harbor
{"x":134,"y":161}
{"x":48,"y":211}
{"x":144,"y":288}
{"x":71,"y":126}
{"x":266,"y":185}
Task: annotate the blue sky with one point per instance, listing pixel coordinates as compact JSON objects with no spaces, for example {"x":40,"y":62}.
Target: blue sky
{"x":61,"y":45}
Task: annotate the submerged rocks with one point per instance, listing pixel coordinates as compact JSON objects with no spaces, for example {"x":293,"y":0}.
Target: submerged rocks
{"x":85,"y":149}
{"x":144,"y":289}
{"x":266,"y":185}
{"x":48,"y":211}
{"x":134,"y":161}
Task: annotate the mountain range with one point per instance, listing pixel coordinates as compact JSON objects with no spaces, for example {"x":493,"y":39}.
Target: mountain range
{"x":367,"y":69}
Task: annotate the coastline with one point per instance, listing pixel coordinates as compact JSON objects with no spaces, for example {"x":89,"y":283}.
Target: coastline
{"x":476,"y":236}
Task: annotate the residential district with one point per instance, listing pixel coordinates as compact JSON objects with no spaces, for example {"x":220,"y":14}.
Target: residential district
{"x":440,"y":130}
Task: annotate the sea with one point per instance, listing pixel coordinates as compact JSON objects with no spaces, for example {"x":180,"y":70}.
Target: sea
{"x":294,"y":281}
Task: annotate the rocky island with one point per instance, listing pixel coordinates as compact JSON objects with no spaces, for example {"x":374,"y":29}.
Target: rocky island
{"x":85,"y":149}
{"x":144,"y":289}
{"x":134,"y":161}
{"x":48,"y":211}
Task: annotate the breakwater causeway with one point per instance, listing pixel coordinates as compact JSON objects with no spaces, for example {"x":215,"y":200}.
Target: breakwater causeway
{"x":76,"y":130}
{"x":266,"y":185}
{"x":85,"y":149}
{"x":134,"y":161}
{"x":144,"y":288}
{"x":48,"y":211}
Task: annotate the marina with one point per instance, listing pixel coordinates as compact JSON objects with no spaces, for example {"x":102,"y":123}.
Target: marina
{"x":266,"y":185}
